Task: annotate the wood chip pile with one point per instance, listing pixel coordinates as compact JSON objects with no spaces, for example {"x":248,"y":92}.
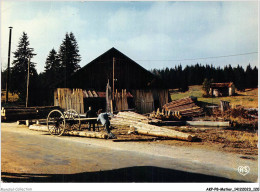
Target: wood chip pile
{"x":21,"y":113}
{"x":186,"y":107}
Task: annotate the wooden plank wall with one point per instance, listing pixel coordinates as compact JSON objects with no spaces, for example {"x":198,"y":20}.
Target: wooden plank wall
{"x":163,"y":97}
{"x":144,"y":99}
{"x":121,"y":100}
{"x":69,"y":99}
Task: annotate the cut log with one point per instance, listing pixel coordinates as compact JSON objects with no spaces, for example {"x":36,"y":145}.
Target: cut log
{"x":20,"y":113}
{"x":134,"y":140}
{"x":187,"y":107}
{"x":132,"y":115}
{"x":129,"y":118}
{"x":209,"y":123}
{"x":172,"y":123}
{"x":153,"y":130}
{"x":21,"y":122}
{"x":43,"y":128}
{"x":90,"y":134}
{"x":27,"y":122}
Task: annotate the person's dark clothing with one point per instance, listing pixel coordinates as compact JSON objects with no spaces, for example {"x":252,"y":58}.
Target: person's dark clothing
{"x":90,"y":114}
{"x":104,"y":119}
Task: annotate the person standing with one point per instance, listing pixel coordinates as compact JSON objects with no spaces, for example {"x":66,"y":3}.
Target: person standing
{"x":91,"y":114}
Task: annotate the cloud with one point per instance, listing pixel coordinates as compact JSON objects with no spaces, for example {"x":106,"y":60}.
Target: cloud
{"x":175,"y":30}
{"x":45,"y":29}
{"x":143,"y":31}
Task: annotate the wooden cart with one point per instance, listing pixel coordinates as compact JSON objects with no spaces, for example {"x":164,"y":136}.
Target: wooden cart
{"x":60,"y":122}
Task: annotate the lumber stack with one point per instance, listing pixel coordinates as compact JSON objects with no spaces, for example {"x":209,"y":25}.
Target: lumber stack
{"x":165,"y":115}
{"x":186,"y":107}
{"x":20,"y":113}
{"x":129,"y":118}
{"x":153,"y":130}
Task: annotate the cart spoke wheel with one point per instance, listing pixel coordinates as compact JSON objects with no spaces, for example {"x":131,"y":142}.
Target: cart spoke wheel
{"x":56,"y":122}
{"x":73,"y":119}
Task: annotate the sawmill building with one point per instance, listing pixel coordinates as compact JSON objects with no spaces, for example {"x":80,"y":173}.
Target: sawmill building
{"x":134,"y":86}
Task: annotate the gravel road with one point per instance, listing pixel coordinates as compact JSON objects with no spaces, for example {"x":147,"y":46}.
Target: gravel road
{"x":31,"y":156}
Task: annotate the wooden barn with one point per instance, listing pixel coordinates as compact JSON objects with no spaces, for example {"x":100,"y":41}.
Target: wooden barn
{"x":132,"y":85}
{"x":222,"y":89}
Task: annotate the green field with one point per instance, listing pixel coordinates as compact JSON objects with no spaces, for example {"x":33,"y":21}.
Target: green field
{"x":248,"y":98}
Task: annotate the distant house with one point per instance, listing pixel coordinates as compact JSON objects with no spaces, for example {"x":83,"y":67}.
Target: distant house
{"x":222,"y":89}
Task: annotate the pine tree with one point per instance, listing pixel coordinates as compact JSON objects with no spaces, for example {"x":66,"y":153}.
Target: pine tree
{"x":19,"y":70}
{"x":69,"y":55}
{"x":249,"y":77}
{"x":52,"y":63}
{"x":52,"y":68}
{"x":255,"y":76}
{"x":206,"y":87}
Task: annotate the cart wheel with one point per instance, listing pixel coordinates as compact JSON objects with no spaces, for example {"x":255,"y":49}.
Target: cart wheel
{"x":56,"y":122}
{"x":74,"y":119}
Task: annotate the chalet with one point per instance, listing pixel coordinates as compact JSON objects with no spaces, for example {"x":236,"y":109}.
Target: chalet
{"x":222,"y":89}
{"x":134,"y":86}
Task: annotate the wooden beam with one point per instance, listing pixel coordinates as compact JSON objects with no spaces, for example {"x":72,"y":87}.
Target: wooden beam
{"x":90,"y":134}
{"x":146,"y":129}
{"x":209,"y":123}
{"x":114,"y":60}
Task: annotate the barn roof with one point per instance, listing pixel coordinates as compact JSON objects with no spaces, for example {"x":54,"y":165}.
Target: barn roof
{"x":112,"y":51}
{"x":128,"y":74}
{"x":99,"y":94}
{"x":218,"y":85}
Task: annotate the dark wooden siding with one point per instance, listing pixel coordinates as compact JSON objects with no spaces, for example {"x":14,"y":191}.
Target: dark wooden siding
{"x":128,"y":74}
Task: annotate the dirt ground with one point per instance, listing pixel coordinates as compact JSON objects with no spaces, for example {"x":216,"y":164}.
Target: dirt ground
{"x":220,"y":139}
{"x":38,"y":156}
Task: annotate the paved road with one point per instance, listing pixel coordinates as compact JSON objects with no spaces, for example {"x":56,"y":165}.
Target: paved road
{"x":29,"y":156}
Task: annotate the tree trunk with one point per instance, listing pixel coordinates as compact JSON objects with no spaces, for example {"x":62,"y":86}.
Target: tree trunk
{"x":90,"y":134}
{"x":153,"y":130}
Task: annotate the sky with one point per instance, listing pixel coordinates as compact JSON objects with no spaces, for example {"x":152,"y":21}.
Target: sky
{"x":155,"y":34}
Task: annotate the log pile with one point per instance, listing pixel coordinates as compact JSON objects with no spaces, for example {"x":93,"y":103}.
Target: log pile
{"x":166,"y":115}
{"x":20,"y":113}
{"x":141,"y":124}
{"x":129,"y":118}
{"x":89,"y":134}
{"x":146,"y":129}
{"x":185,"y":107}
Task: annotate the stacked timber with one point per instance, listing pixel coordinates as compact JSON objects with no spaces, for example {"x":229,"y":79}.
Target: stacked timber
{"x":21,"y":113}
{"x":129,"y":118}
{"x":165,"y":115}
{"x":89,"y":134}
{"x":146,"y":129}
{"x":186,"y":107}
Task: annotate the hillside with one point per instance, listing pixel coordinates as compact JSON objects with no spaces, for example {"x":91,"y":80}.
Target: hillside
{"x":248,"y":98}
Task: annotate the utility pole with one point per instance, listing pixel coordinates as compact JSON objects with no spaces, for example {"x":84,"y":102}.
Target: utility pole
{"x":28,"y":76}
{"x":8,"y":65}
{"x":114,"y":60}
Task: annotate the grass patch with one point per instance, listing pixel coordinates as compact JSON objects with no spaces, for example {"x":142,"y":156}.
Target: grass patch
{"x":12,"y":97}
{"x":248,"y":98}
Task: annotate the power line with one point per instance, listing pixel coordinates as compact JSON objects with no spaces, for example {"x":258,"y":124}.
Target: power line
{"x":202,"y":57}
